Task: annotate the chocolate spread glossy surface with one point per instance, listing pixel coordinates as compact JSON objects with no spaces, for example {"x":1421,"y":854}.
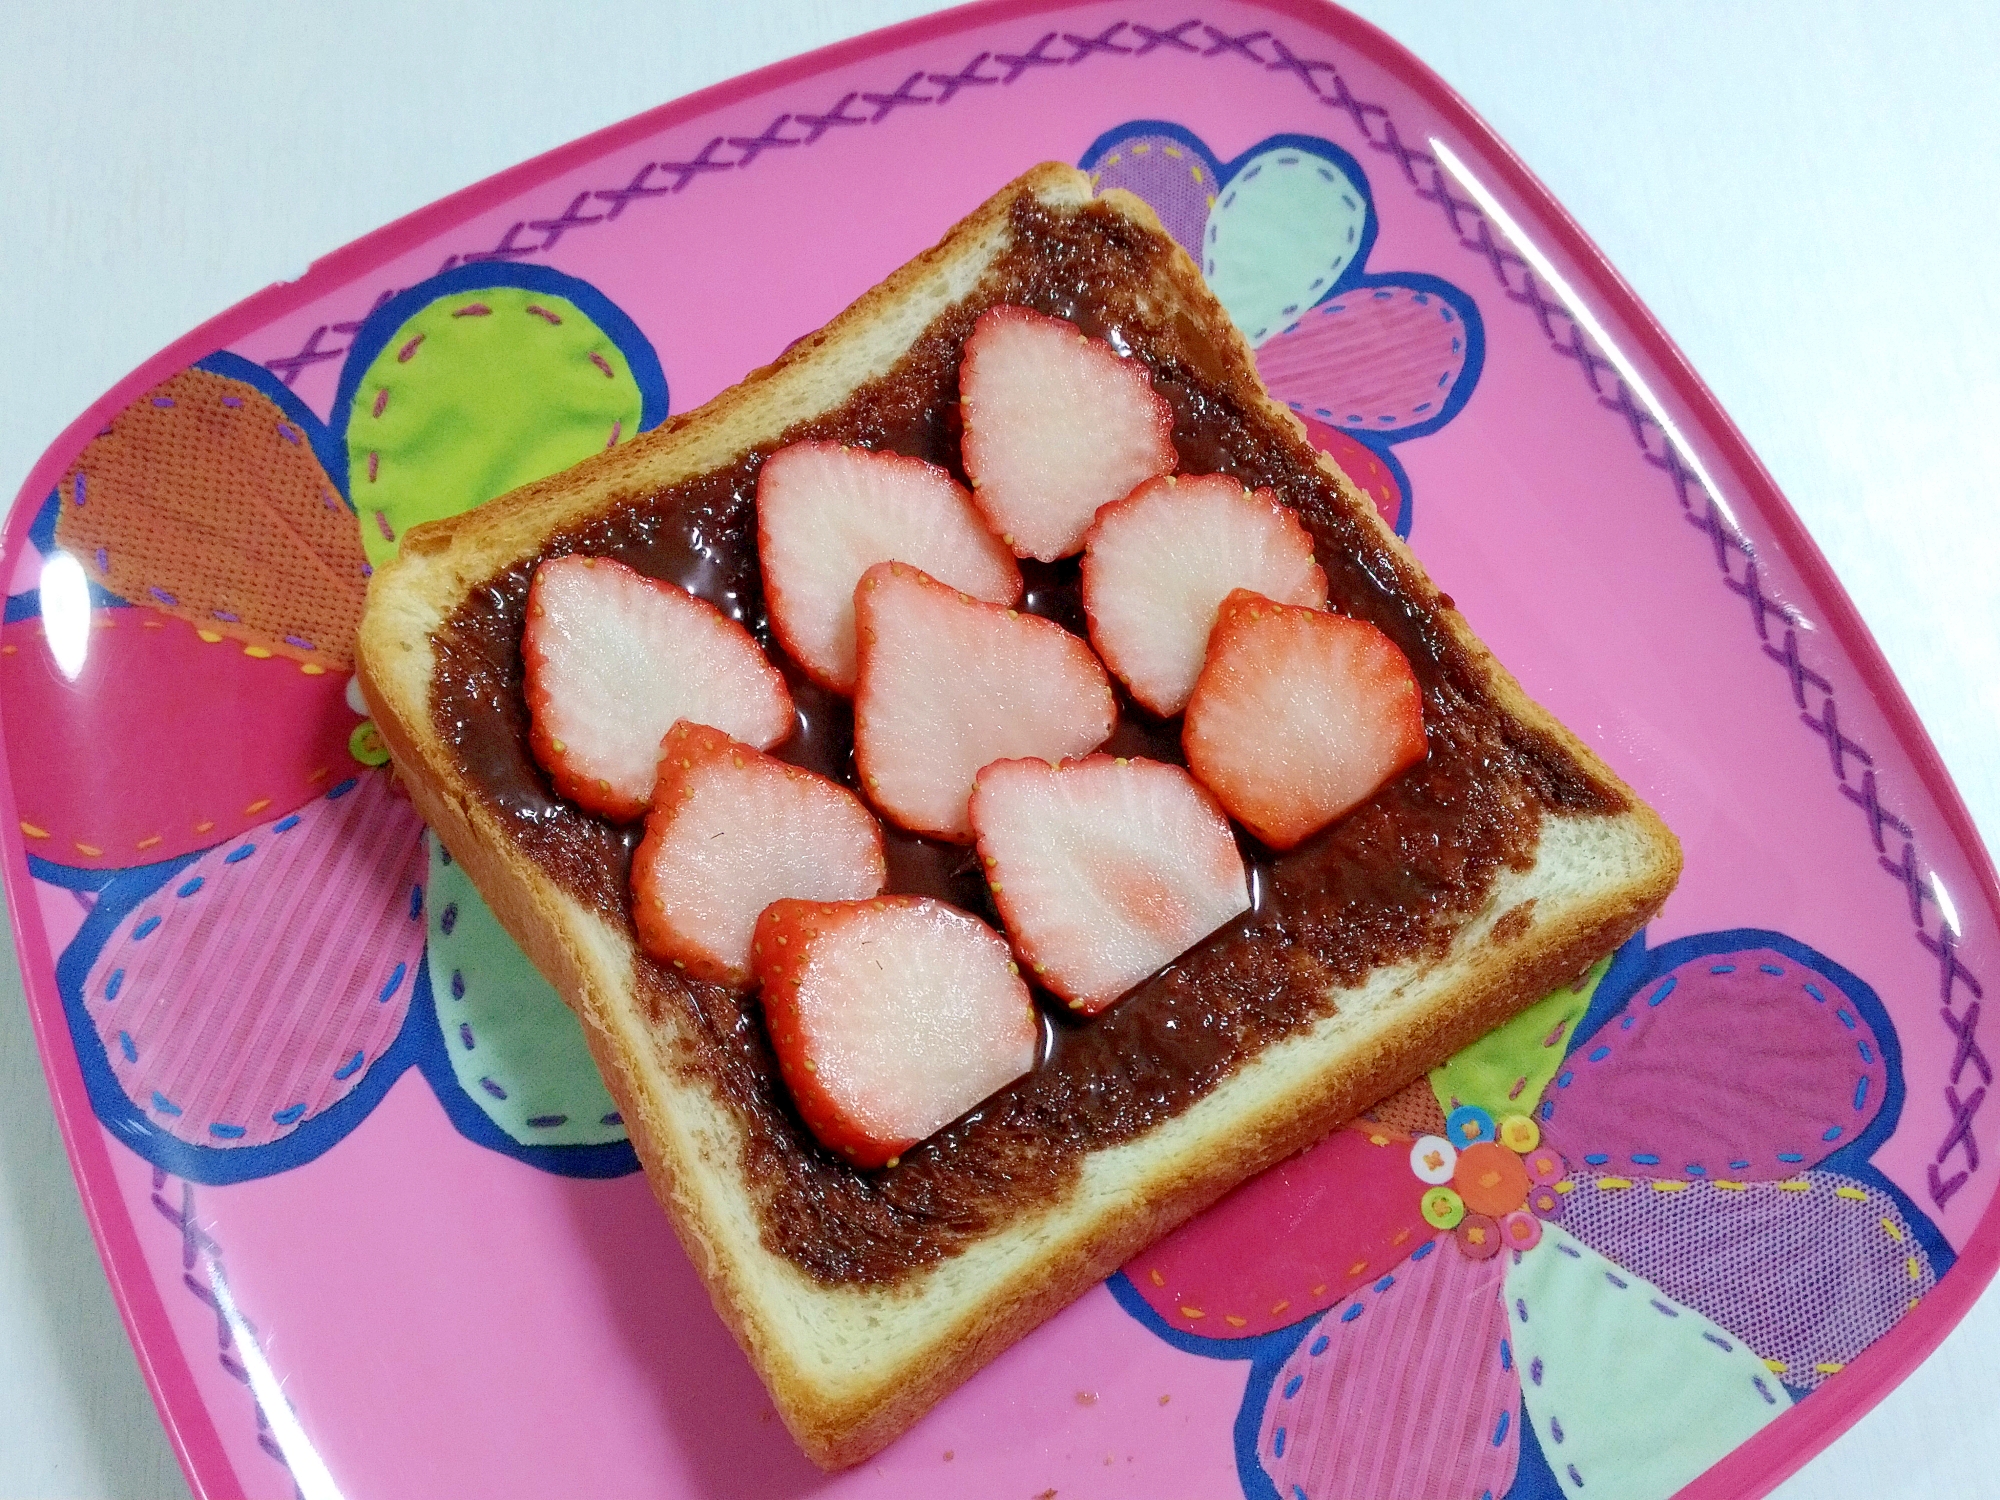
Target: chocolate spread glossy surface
{"x":1389,"y":882}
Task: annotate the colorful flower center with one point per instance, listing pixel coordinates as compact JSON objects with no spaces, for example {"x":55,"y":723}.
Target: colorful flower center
{"x":1489,"y":1182}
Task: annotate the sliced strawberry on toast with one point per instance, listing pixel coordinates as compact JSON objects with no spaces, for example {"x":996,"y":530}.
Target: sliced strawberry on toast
{"x":1298,"y":716}
{"x":1104,"y":869}
{"x":890,"y":1018}
{"x":1158,"y":564}
{"x":827,"y":513}
{"x":1056,"y":424}
{"x":949,"y":683}
{"x":612,"y":658}
{"x":731,"y":830}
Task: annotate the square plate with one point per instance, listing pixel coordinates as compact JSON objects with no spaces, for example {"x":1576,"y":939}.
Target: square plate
{"x":1694,"y":637}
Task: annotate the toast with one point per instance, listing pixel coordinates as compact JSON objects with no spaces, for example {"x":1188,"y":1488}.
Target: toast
{"x":1470,"y":886}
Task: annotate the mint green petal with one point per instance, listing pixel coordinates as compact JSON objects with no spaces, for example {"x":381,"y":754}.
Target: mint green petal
{"x":1505,"y":1071}
{"x":477,"y":394}
{"x":517,"y":1050}
{"x":1283,"y":230}
{"x":1632,"y":1394}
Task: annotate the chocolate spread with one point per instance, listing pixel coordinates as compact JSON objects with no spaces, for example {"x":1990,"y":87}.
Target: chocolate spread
{"x":1389,"y":882}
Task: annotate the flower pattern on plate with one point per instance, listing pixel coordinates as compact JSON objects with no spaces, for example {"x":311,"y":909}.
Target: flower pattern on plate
{"x":1649,"y":1225}
{"x":1283,"y":234}
{"x":208,"y":499}
{"x":245,"y":980}
{"x":516,"y":1050}
{"x":157,"y":738}
{"x":237,"y":997}
{"x":479,"y":381}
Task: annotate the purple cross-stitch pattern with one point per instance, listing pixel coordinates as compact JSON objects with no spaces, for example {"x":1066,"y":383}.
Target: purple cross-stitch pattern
{"x":641,"y":186}
{"x":1951,"y":972}
{"x":1761,"y":604}
{"x":349,"y":329}
{"x":966,"y":77}
{"x":201,"y":1273}
{"x":1916,"y":885}
{"x":1879,"y":817}
{"x":904,"y":93}
{"x":1961,"y":1127}
{"x":1174,"y":38}
{"x":1424,"y":174}
{"x":1969,"y":1050}
{"x":1102,"y":42}
{"x":1838,"y":745}
{"x":510,"y":247}
{"x":1220,"y":41}
{"x":287,"y":369}
{"x":769,"y":139}
{"x":684,"y":172}
{"x":819,"y":125}
{"x":1037,"y":56}
{"x":570,"y":218}
{"x":1801,"y":674}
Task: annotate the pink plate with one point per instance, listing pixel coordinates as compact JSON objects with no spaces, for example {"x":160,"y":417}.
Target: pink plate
{"x":371,"y":1219}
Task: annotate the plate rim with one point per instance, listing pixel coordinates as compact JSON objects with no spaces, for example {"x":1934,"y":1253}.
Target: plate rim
{"x":1754,"y":1467}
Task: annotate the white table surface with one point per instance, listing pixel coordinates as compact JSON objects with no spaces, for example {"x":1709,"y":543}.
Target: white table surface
{"x":1805,"y":194}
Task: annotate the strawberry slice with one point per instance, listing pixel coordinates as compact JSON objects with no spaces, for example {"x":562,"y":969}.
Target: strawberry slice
{"x":1298,"y":716}
{"x":826,"y":514}
{"x":612,"y":658}
{"x":949,"y":683}
{"x":1056,"y":424}
{"x":1158,"y":564}
{"x":730,"y":831}
{"x":1104,"y":869}
{"x":890,"y":1018}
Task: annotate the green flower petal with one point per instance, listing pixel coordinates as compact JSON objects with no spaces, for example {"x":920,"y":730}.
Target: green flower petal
{"x":1287,"y":225}
{"x":1505,"y":1071}
{"x":477,"y":394}
{"x":517,"y":1050}
{"x":1632,"y":1394}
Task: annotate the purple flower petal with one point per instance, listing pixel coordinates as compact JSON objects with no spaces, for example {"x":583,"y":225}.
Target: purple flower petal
{"x":1808,"y":1272}
{"x":1747,"y":1066}
{"x":1172,"y":178}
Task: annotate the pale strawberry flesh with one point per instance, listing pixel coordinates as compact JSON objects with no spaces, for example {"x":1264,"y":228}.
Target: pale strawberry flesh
{"x":1299,"y":716}
{"x":1056,"y":425}
{"x":1104,"y":869}
{"x":827,"y":513}
{"x":612,"y":658}
{"x":1158,"y":564}
{"x":949,"y":684}
{"x":730,"y":831}
{"x":890,"y":1018}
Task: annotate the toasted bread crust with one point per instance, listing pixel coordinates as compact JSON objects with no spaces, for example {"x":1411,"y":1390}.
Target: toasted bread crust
{"x":849,"y":1367}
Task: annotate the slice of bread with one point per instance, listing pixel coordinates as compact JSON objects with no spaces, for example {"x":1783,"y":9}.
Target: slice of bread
{"x":1467,"y":888}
